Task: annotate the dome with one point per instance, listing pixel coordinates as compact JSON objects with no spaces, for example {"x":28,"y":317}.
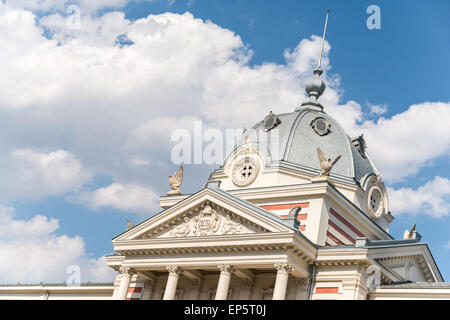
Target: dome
{"x":293,"y":138}
{"x":303,"y":148}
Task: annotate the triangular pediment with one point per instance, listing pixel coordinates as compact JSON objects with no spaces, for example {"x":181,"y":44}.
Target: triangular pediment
{"x":206,"y":213}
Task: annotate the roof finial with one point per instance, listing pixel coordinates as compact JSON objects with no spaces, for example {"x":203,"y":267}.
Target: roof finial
{"x":315,"y":86}
{"x":323,"y":40}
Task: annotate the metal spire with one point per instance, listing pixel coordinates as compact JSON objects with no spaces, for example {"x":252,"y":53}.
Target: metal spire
{"x":323,"y":40}
{"x":315,"y":86}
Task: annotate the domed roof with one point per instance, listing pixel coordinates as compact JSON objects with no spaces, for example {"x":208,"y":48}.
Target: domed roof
{"x":293,"y":140}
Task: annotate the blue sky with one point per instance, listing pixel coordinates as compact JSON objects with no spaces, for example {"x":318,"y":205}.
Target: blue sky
{"x":404,"y":63}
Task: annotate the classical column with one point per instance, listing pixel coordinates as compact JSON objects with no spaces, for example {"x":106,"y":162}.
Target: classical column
{"x":279,"y":292}
{"x":126,"y":272}
{"x":224,"y":281}
{"x":148,"y":289}
{"x":172,"y":281}
{"x":116,"y":284}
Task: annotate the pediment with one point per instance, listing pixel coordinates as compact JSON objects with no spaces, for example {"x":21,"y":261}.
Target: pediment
{"x":205,"y":214}
{"x":208,"y":220}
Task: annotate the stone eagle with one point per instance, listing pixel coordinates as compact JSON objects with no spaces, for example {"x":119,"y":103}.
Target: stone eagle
{"x":175,"y":181}
{"x":325,"y":165}
{"x":130,"y":225}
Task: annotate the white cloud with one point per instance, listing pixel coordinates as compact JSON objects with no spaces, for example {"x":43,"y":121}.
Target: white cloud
{"x":114,"y":108}
{"x":96,"y":107}
{"x":410,"y":140}
{"x":377,"y":109}
{"x":124,"y":197}
{"x":305,"y":55}
{"x":31,"y":174}
{"x":431,"y":199}
{"x":33,"y":253}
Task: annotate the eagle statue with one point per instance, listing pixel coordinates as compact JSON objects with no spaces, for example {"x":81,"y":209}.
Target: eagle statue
{"x":175,"y":182}
{"x":325,"y":165}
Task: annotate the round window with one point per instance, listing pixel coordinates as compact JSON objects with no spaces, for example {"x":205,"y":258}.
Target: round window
{"x":321,"y":126}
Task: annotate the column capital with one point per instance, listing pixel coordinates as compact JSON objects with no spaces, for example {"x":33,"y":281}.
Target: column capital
{"x":175,"y":270}
{"x":225,"y":268}
{"x":127,"y":271}
{"x":283,"y":267}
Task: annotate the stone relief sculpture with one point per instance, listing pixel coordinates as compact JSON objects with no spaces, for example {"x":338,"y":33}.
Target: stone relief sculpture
{"x":208,"y":222}
{"x":175,"y":182}
{"x":230,"y":226}
{"x":325,"y":165}
{"x":182,"y":230}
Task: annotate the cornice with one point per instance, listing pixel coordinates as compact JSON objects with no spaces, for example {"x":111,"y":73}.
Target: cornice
{"x":283,"y":241}
{"x":419,"y":258}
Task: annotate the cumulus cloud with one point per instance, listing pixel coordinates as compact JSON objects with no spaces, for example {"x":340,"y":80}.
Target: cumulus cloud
{"x":105,"y":99}
{"x":431,"y":199}
{"x":112,"y":92}
{"x":377,"y":109}
{"x":410,"y":140}
{"x":31,"y":174}
{"x":124,"y":197}
{"x":33,"y":253}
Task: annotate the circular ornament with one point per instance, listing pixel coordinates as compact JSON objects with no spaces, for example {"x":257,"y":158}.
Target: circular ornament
{"x":244,"y":171}
{"x":321,"y":126}
{"x":375,"y":202}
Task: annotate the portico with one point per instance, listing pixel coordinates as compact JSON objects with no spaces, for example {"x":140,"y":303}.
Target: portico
{"x":230,"y":282}
{"x":209,"y":247}
{"x":235,"y":266}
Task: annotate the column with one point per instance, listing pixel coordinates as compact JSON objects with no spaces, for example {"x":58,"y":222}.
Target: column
{"x":224,"y":281}
{"x":116,"y":284}
{"x":172,"y":281}
{"x":148,"y":290}
{"x":126,"y":272}
{"x":279,"y":292}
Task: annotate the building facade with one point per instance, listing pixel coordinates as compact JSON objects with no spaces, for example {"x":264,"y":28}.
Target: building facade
{"x":297,"y":210}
